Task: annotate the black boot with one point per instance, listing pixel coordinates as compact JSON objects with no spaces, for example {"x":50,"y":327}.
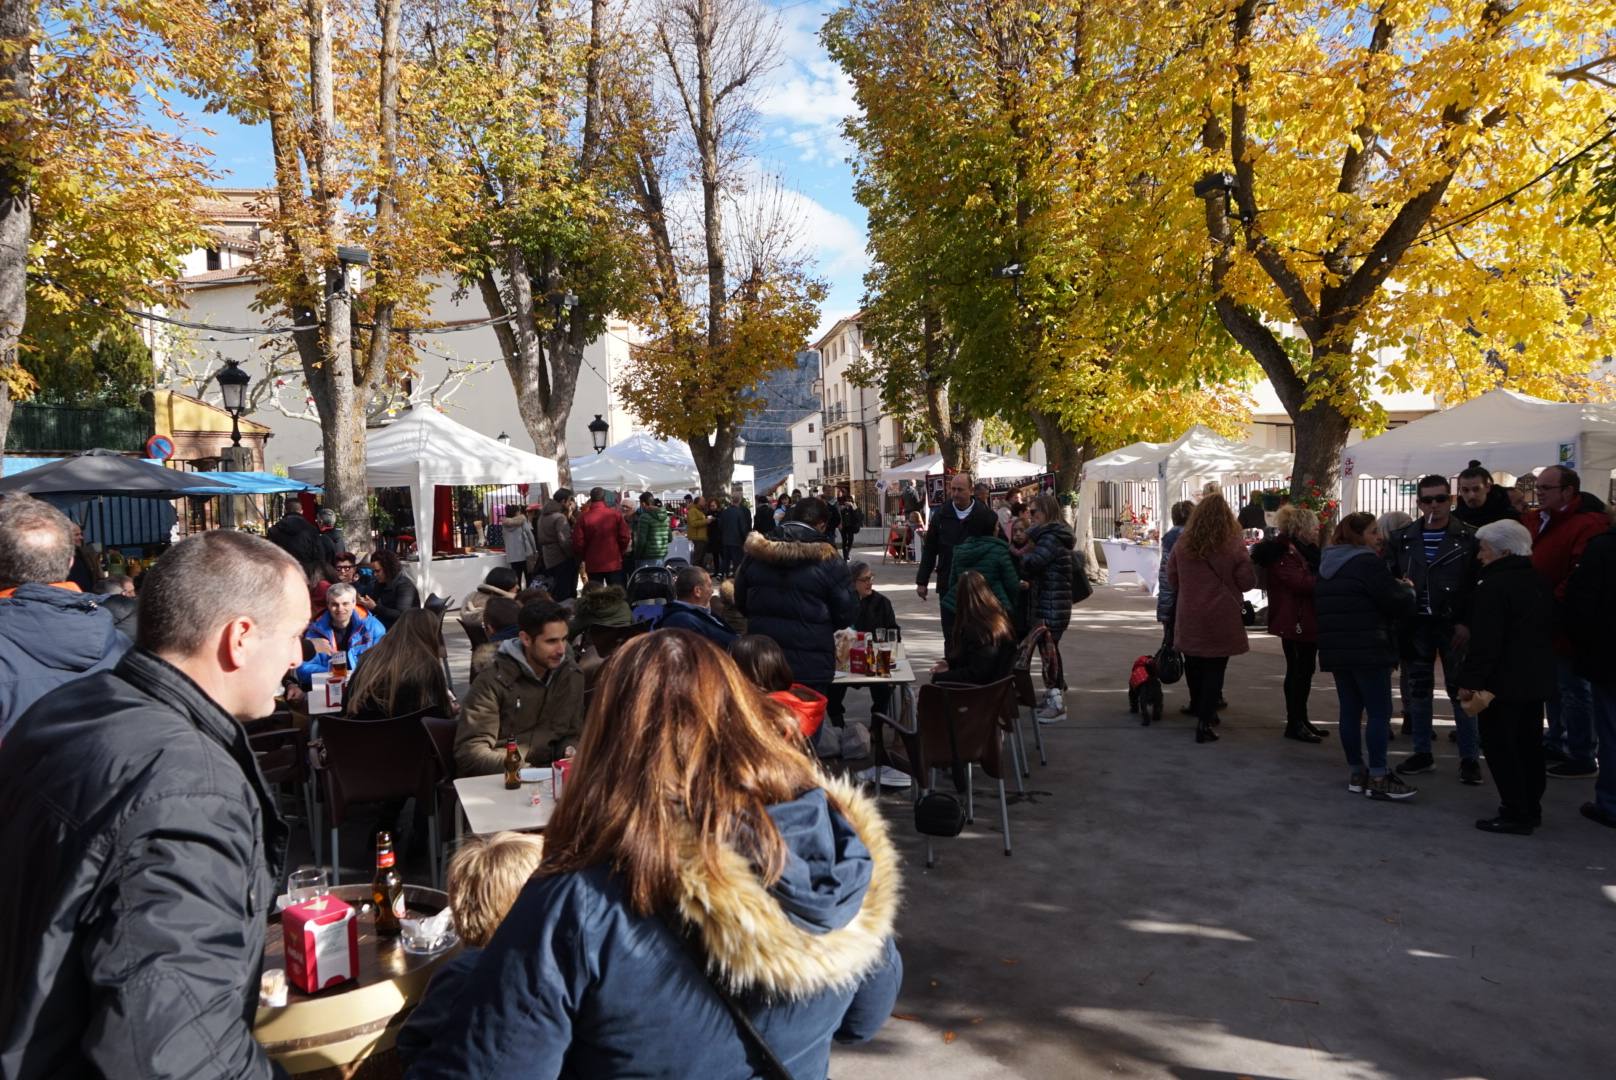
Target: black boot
{"x":1315,"y":730}
{"x":1204,"y":733}
{"x":1300,"y":731}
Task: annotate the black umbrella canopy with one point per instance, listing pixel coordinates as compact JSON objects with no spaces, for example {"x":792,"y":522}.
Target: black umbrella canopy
{"x":104,"y":472}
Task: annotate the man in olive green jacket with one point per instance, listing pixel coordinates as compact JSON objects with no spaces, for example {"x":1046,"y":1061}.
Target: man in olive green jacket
{"x":530,"y":692}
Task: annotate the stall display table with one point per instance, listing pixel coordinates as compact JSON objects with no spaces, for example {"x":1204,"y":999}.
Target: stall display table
{"x":455,"y":575}
{"x":1132,"y":557}
{"x":349,"y":1030}
{"x":487,"y":806}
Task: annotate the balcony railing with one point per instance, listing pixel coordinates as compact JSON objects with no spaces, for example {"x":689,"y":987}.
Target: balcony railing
{"x":836,"y":466}
{"x":835,"y":414}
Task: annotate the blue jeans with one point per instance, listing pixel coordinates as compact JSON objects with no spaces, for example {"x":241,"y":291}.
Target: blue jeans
{"x":1571,"y":720}
{"x":1360,"y":690}
{"x":1431,"y":638}
{"x":1604,"y":702}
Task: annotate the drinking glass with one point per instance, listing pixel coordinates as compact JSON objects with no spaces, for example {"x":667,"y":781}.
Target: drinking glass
{"x":306,"y":883}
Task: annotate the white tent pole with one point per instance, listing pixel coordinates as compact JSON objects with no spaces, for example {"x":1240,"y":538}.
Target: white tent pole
{"x":422,"y":492}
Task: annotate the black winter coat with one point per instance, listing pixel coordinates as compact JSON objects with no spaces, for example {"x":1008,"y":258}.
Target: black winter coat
{"x":875,"y":613}
{"x":978,"y":664}
{"x":795,"y":588}
{"x":143,"y":852}
{"x":1586,"y":615}
{"x":392,"y":599}
{"x":1494,"y":508}
{"x":1511,"y":650}
{"x":944,"y":532}
{"x":1357,"y":601}
{"x":1048,"y":565}
{"x":1449,"y":577}
{"x":763,"y":519}
{"x":733,"y":523}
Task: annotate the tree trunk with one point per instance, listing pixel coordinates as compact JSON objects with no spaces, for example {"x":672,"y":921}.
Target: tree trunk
{"x":1321,"y":436}
{"x":715,"y":461}
{"x":1066,"y":455}
{"x":959,"y":434}
{"x":17,"y":28}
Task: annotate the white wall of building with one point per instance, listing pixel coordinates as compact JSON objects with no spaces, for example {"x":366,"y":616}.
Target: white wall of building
{"x":485,"y":401}
{"x":807,"y":470}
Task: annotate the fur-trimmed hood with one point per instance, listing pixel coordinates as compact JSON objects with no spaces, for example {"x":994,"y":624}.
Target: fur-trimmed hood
{"x":825,"y":924}
{"x":602,"y":607}
{"x":792,"y":544}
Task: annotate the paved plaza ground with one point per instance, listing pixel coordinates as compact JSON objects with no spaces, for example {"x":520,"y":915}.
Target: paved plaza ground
{"x":1228,"y":910}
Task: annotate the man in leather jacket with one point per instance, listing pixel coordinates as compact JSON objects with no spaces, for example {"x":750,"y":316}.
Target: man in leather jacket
{"x":1437,"y":552}
{"x":143,"y":846}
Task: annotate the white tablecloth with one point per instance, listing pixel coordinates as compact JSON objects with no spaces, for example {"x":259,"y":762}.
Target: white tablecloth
{"x":1128,"y":557}
{"x":457,"y":577}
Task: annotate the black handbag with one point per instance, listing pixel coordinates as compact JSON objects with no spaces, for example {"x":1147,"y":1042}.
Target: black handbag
{"x":1082,"y":589}
{"x":939,"y":813}
{"x":1169,"y":661}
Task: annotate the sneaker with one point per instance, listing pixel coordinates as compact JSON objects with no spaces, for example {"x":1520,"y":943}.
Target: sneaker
{"x":1390,"y":787}
{"x":1415,"y":764}
{"x":1470,"y":771}
{"x":1507,"y":826}
{"x":1358,"y":781}
{"x":1573,"y":770}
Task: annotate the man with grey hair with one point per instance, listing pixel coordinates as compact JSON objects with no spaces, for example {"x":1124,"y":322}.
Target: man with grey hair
{"x":692,"y":610}
{"x":144,"y":846}
{"x":50,"y":632}
{"x":343,"y":629}
{"x":1510,"y":656}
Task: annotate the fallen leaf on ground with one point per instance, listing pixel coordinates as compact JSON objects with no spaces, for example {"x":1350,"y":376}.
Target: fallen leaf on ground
{"x":949,"y":1036}
{"x":1008,"y":961}
{"x":976,"y":1019}
{"x":906,"y":1016}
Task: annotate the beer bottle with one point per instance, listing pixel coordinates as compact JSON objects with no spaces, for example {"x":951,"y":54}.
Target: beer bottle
{"x":513,"y":766}
{"x":387,"y":889}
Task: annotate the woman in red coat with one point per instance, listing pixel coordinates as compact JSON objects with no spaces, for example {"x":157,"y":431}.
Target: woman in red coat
{"x":1209,"y":573}
{"x":1291,"y":561}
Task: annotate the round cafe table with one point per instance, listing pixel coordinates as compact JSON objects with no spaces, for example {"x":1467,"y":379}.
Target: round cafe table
{"x":348,"y":1030}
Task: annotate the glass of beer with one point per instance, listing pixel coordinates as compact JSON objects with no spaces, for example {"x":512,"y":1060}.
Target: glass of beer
{"x":339,"y":665}
{"x":883,"y":657}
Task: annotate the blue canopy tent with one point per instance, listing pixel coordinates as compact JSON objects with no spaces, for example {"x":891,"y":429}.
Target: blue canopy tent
{"x":251,"y":483}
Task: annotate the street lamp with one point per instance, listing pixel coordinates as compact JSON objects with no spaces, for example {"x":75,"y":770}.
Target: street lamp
{"x":598,"y":430}
{"x":908,"y":449}
{"x":503,"y":439}
{"x":233,"y":389}
{"x":740,"y":450}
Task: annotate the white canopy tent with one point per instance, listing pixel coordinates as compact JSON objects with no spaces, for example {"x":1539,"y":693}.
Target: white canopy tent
{"x":643,"y":463}
{"x":989,"y":467}
{"x":1195,"y":457}
{"x":1507,"y":432}
{"x":424,"y":449}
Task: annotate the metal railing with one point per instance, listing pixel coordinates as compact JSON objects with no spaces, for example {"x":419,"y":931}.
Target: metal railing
{"x":835,"y":414}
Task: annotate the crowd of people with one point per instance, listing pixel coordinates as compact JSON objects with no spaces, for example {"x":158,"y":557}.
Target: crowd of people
{"x":1510,"y":599}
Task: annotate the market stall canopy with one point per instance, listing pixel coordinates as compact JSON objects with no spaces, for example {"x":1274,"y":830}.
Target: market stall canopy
{"x":643,"y":463}
{"x":424,"y":449}
{"x":989,"y":467}
{"x":104,"y":472}
{"x":251,"y":483}
{"x":1195,"y":457}
{"x":1505,"y":431}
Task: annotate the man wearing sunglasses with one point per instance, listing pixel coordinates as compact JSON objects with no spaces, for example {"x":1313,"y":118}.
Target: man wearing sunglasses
{"x":1437,"y":552}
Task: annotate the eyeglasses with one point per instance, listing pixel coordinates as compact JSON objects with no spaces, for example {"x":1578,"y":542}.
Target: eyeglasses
{"x":1550,"y":487}
{"x":1428,"y":499}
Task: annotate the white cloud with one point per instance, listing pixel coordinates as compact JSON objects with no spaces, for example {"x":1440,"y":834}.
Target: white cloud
{"x":808,"y":95}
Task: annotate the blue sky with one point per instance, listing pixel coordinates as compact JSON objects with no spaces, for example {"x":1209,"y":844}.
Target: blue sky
{"x":798,"y":138}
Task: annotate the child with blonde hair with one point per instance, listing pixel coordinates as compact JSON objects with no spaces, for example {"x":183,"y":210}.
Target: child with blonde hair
{"x":485,"y":877}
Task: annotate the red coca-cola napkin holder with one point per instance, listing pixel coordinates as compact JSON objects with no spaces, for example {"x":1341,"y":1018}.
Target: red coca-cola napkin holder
{"x":322,"y":943}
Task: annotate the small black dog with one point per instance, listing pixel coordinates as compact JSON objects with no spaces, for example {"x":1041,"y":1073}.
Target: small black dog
{"x":1145,"y":691}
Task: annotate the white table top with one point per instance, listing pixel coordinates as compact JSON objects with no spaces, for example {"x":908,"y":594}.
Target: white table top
{"x":490,"y":808}
{"x":316,"y":695}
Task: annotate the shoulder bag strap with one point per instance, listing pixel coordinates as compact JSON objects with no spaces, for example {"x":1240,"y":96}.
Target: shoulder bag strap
{"x":773,"y":1068}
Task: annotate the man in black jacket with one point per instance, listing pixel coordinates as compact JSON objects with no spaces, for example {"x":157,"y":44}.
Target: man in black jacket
{"x":1590,"y":597}
{"x":1511,"y":655}
{"x":959,"y":519}
{"x":143,"y":847}
{"x":1437,"y":552}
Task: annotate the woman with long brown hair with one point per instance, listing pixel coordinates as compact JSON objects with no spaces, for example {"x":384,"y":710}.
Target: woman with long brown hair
{"x":1209,"y":573}
{"x":694,"y":853}
{"x":982,"y":647}
{"x":403,"y":672}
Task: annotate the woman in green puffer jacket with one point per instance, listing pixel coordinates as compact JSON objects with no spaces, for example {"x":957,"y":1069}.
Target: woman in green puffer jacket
{"x":989,"y":556}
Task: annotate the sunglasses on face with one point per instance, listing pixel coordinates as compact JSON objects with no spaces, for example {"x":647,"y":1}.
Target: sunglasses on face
{"x":1430,"y":499}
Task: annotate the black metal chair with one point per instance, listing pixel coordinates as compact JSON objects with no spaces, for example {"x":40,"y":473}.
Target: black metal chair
{"x":374,"y":761}
{"x":283,"y":758}
{"x":979,"y":716}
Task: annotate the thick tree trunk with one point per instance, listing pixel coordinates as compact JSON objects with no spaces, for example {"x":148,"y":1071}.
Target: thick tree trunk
{"x":17,"y":28}
{"x":958,"y":432}
{"x":1066,"y":454}
{"x":715,"y":461}
{"x":1321,"y":436}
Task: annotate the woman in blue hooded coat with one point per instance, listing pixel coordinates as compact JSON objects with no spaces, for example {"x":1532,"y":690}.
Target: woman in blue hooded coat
{"x":697,"y":846}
